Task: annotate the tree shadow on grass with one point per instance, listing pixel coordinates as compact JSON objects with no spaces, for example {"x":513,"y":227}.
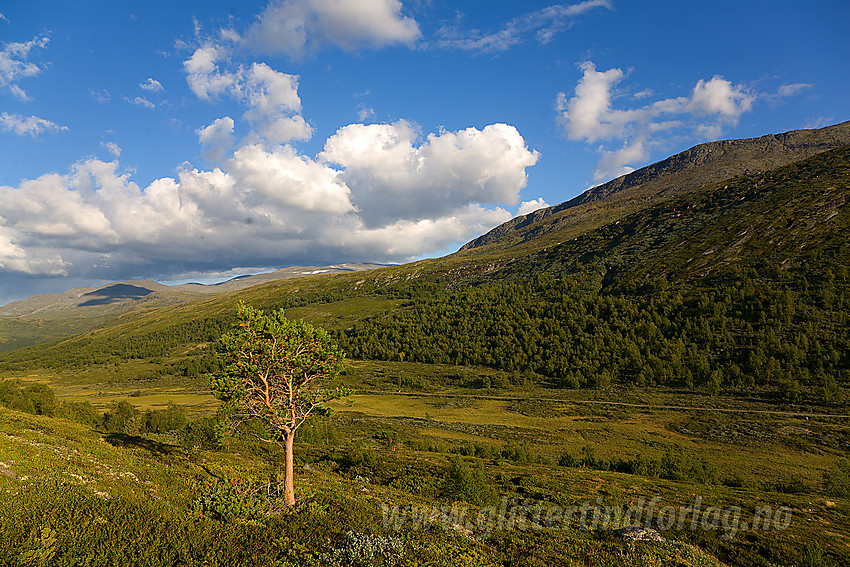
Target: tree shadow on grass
{"x":155,"y":447}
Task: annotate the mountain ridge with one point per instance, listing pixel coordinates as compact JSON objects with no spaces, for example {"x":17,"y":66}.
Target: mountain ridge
{"x":47,"y":305}
{"x":719,"y":161}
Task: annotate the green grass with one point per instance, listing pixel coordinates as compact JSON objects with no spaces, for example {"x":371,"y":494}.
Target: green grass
{"x":111,"y":499}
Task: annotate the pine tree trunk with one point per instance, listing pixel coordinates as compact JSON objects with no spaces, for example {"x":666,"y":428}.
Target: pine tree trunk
{"x":289,"y":480}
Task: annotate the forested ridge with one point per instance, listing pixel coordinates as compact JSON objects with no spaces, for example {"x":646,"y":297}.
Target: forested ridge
{"x":742,"y":285}
{"x":742,"y":334}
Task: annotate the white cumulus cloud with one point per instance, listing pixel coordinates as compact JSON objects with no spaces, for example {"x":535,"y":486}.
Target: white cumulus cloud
{"x":530,"y":206}
{"x":268,"y":205}
{"x":271,"y":97}
{"x":299,"y":27}
{"x":626,"y":137}
{"x":216,"y":138}
{"x":273,"y":104}
{"x":393,"y":174}
{"x":203,"y":74}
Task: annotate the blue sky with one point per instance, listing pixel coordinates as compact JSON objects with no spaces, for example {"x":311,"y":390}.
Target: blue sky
{"x":201,"y":140}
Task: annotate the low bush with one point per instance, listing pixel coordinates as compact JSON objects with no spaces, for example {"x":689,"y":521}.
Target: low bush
{"x":673,"y":465}
{"x":836,"y":482}
{"x":465,"y":484}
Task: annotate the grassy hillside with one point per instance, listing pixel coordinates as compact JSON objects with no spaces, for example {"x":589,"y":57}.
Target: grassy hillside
{"x":736,"y":286}
{"x":699,"y":167}
{"x":70,"y":494}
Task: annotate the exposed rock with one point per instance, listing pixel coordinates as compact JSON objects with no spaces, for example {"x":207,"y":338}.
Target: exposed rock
{"x":635,"y":533}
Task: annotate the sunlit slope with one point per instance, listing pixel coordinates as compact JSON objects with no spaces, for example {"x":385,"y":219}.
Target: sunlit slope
{"x":698,"y":167}
{"x":46,"y":317}
{"x":791,"y":219}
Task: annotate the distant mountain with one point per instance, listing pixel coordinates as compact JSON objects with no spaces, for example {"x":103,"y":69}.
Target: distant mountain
{"x":50,"y":316}
{"x":697,"y":167}
{"x":119,"y":296}
{"x":241,"y":282}
{"x":93,"y":301}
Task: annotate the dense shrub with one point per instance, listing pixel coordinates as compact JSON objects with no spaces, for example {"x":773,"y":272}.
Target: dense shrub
{"x":742,"y":331}
{"x":80,"y":412}
{"x":673,"y":465}
{"x":123,"y":417}
{"x":200,"y":434}
{"x":173,"y":418}
{"x":37,"y":399}
{"x":836,"y":482}
{"x":465,"y":484}
{"x":358,"y":459}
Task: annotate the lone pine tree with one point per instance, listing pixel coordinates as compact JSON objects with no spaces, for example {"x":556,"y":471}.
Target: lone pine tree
{"x":274,"y":374}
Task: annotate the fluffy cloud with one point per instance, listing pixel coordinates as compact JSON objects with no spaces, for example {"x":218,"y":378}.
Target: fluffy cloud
{"x":271,"y":96}
{"x":288,"y":180}
{"x":268,"y":205}
{"x":28,"y":125}
{"x":203,"y":74}
{"x":394,"y":178}
{"x":274,"y":105}
{"x":589,"y":116}
{"x":543,"y":24}
{"x":216,"y":138}
{"x":14,"y":64}
{"x":530,"y":206}
{"x":297,"y":27}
